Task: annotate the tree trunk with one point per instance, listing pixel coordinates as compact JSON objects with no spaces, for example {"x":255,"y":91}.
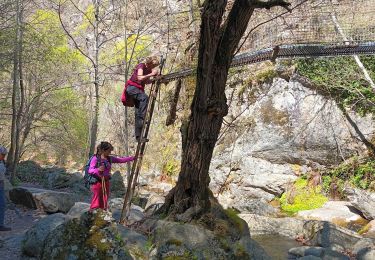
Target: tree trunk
{"x":14,"y":147}
{"x":191,"y":194}
{"x":95,"y":119}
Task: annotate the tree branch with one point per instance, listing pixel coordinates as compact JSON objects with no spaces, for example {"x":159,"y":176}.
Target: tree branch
{"x":269,"y":4}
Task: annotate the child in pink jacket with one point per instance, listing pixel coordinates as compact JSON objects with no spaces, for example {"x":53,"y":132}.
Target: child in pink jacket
{"x":100,"y":167}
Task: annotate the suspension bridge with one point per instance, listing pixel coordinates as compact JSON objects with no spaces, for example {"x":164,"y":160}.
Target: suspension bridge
{"x":315,"y":28}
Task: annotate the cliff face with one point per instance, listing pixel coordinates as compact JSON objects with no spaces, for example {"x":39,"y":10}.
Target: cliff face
{"x":275,"y":132}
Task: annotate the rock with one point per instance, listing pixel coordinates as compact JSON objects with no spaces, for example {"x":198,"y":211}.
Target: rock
{"x":154,"y":202}
{"x":364,"y":249}
{"x":23,"y":197}
{"x":328,"y":235}
{"x":259,"y":225}
{"x":30,"y":171}
{"x":136,"y":243}
{"x":309,"y":257}
{"x":367,"y":255}
{"x":316,"y":233}
{"x":35,"y":237}
{"x":93,"y":236}
{"x":364,"y":201}
{"x":140,"y":200}
{"x":117,"y":184}
{"x":61,"y":179}
{"x":337,"y":212}
{"x":46,"y":200}
{"x":280,"y":130}
{"x":369,"y":230}
{"x":136,"y":212}
{"x":78,"y":209}
{"x":317,"y":252}
{"x":307,"y":250}
{"x":256,"y":206}
{"x":334,"y":255}
{"x":194,"y":242}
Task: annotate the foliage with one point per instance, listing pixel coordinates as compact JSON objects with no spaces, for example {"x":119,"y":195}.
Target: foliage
{"x":358,"y":172}
{"x":302,"y":197}
{"x":342,"y":79}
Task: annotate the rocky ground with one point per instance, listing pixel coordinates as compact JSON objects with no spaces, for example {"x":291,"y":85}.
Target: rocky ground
{"x":20,"y":219}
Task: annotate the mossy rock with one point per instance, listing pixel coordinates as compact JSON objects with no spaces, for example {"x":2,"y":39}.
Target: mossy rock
{"x":301,"y":197}
{"x":90,"y":237}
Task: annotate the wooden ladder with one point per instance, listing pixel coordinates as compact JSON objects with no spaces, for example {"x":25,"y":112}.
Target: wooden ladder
{"x":141,"y":147}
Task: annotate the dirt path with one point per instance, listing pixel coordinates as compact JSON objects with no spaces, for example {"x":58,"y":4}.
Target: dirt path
{"x":20,"y":219}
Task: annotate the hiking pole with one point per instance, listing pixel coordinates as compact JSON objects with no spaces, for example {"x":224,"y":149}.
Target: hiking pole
{"x":104,"y":192}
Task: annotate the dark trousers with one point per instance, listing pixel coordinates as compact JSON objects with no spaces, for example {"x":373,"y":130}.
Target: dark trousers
{"x":2,"y":203}
{"x":140,"y":102}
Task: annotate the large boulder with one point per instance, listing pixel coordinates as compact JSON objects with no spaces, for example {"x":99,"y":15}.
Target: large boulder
{"x":263,"y":225}
{"x":187,"y":241}
{"x":117,"y":184}
{"x":338,"y":212}
{"x":61,"y":179}
{"x":136,"y":212}
{"x":278,"y":131}
{"x":364,"y":249}
{"x":92,"y":236}
{"x":364,"y":201}
{"x":36,"y":236}
{"x":317,"y":252}
{"x":316,"y":233}
{"x":47,"y":200}
{"x":78,"y":209}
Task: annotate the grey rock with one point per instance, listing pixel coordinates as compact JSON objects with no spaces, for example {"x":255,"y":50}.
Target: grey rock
{"x":334,"y":255}
{"x":281,"y":130}
{"x":328,"y":235}
{"x":35,"y":237}
{"x":61,"y":179}
{"x":364,"y":249}
{"x":364,"y":201}
{"x":307,"y":250}
{"x":366,"y":255}
{"x":117,"y":184}
{"x":176,"y":239}
{"x":47,"y":200}
{"x":78,"y":209}
{"x":309,"y":257}
{"x":259,"y":225}
{"x":135,"y":242}
{"x":154,"y":199}
{"x":90,"y":237}
{"x":256,"y":206}
{"x":136,"y":212}
{"x":332,"y":211}
{"x":23,"y":197}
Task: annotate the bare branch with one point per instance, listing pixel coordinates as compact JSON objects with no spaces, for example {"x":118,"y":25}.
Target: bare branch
{"x":269,"y":4}
{"x":71,"y":37}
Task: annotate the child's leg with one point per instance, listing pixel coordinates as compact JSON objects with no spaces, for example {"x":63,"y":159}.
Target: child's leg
{"x":97,"y":196}
{"x":106,"y":197}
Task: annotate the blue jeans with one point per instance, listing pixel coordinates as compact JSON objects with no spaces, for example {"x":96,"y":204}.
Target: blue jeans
{"x":2,"y":205}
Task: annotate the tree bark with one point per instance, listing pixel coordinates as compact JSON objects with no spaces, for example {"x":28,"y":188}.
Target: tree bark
{"x":95,"y":120}
{"x":16,"y":96}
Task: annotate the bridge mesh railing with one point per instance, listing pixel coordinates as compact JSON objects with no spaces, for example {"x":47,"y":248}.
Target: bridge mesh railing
{"x":314,"y":21}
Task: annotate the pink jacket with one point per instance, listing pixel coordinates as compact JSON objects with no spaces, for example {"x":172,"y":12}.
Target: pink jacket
{"x":93,"y":169}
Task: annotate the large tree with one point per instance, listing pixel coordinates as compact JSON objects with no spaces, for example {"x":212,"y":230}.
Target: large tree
{"x":219,"y":38}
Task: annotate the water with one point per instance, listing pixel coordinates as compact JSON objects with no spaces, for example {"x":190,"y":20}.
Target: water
{"x":276,"y":246}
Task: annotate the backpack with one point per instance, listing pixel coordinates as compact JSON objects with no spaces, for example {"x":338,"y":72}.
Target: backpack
{"x":90,"y":179}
